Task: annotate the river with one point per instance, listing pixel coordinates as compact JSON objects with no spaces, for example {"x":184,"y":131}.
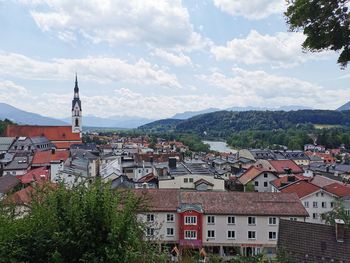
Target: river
{"x":220,"y":146}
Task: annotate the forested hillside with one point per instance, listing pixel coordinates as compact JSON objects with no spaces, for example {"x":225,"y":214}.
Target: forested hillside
{"x":253,"y":129}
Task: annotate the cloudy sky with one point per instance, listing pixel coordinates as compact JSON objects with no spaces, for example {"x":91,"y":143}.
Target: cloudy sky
{"x":154,"y":58}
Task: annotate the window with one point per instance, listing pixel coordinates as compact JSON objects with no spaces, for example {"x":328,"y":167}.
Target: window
{"x":190,"y":234}
{"x":170,"y":217}
{"x":150,"y":231}
{"x":332,"y":204}
{"x":190,"y":220}
{"x":170,"y":231}
{"x":265,"y":184}
{"x":293,"y":219}
{"x":306,"y":204}
{"x":251,"y":220}
{"x":321,"y":194}
{"x":256,"y":183}
{"x":316,"y":194}
{"x":324,"y":205}
{"x":347,"y":211}
{"x":211,"y":234}
{"x":314,"y":205}
{"x":314,"y":216}
{"x":211,"y":220}
{"x":272,"y":235}
{"x":265,"y":175}
{"x":231,"y":234}
{"x":231,"y":220}
{"x":272,"y":220}
{"x":185,"y":180}
{"x":251,"y":235}
{"x":191,"y":180}
{"x":150,"y":217}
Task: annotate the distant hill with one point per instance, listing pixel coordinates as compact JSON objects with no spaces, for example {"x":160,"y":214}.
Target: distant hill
{"x":23,"y":117}
{"x":220,"y":124}
{"x":166,"y":125}
{"x":189,"y":114}
{"x":346,"y":106}
{"x":126,"y":122}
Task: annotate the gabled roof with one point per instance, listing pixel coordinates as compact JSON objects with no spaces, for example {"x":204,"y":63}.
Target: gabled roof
{"x":281,"y":165}
{"x":288,"y":179}
{"x":5,"y":143}
{"x":7,"y":183}
{"x":301,"y":188}
{"x":235,"y":203}
{"x":45,"y":157}
{"x":202,"y":181}
{"x":312,"y":242}
{"x":35,"y":175}
{"x":338,"y":189}
{"x":147,"y":178}
{"x":53,"y":133}
{"x":251,"y":174}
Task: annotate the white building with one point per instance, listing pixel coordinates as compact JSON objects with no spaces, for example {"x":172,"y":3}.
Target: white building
{"x":223,"y":223}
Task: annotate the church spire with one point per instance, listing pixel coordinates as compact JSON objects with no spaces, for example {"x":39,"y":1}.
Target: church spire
{"x":76,"y":88}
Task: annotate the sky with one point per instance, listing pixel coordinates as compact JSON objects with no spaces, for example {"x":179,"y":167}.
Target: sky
{"x":155,"y":58}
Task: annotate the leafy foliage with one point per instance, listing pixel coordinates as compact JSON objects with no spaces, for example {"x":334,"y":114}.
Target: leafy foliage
{"x":326,"y":24}
{"x":338,"y":212}
{"x":3,"y":125}
{"x":85,"y":224}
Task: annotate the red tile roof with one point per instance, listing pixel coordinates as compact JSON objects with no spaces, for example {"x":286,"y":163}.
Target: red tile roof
{"x":45,"y":157}
{"x":338,"y":189}
{"x":251,"y":174}
{"x":301,"y":188}
{"x":284,"y":180}
{"x":281,"y":165}
{"x":147,"y":178}
{"x":53,"y":133}
{"x":239,"y":203}
{"x":35,"y":175}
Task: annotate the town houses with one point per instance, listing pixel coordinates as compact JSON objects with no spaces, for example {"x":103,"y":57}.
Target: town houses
{"x":226,"y":204}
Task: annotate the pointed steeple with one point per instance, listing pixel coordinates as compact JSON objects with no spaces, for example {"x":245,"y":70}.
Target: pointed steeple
{"x":76,"y":88}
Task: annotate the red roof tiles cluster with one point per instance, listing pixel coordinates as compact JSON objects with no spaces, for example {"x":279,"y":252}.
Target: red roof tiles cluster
{"x":288,"y":179}
{"x":45,"y":157}
{"x":35,"y":175}
{"x":338,"y":189}
{"x":281,"y":165}
{"x":239,"y":203}
{"x":56,"y":134}
{"x":301,"y":188}
{"x":251,"y":174}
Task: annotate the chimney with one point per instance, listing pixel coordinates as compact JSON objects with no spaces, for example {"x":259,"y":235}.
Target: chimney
{"x":339,"y":230}
{"x":172,"y":162}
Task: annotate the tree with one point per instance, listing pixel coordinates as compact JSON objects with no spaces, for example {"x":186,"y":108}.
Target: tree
{"x":338,"y":212}
{"x":326,"y":24}
{"x":89,"y":223}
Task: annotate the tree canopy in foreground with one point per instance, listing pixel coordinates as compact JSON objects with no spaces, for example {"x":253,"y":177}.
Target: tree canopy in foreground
{"x":325,"y":23}
{"x":85,"y":224}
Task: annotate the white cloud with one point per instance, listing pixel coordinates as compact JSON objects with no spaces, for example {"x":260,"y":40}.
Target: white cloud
{"x":259,"y":88}
{"x":279,"y":50}
{"x":251,"y":9}
{"x":156,"y":22}
{"x":176,"y":59}
{"x":98,"y":69}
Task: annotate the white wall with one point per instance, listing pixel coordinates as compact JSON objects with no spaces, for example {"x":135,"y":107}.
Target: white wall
{"x":318,"y":197}
{"x":261,"y":179}
{"x":179,"y":182}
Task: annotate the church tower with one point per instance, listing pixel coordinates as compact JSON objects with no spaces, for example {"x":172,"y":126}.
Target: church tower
{"x":77,"y":126}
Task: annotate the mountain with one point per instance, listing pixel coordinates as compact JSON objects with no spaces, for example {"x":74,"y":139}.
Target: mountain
{"x":281,"y":108}
{"x":165,"y":125}
{"x":23,"y":117}
{"x":189,"y":114}
{"x":128,"y":122}
{"x":346,"y":106}
{"x":220,"y":124}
